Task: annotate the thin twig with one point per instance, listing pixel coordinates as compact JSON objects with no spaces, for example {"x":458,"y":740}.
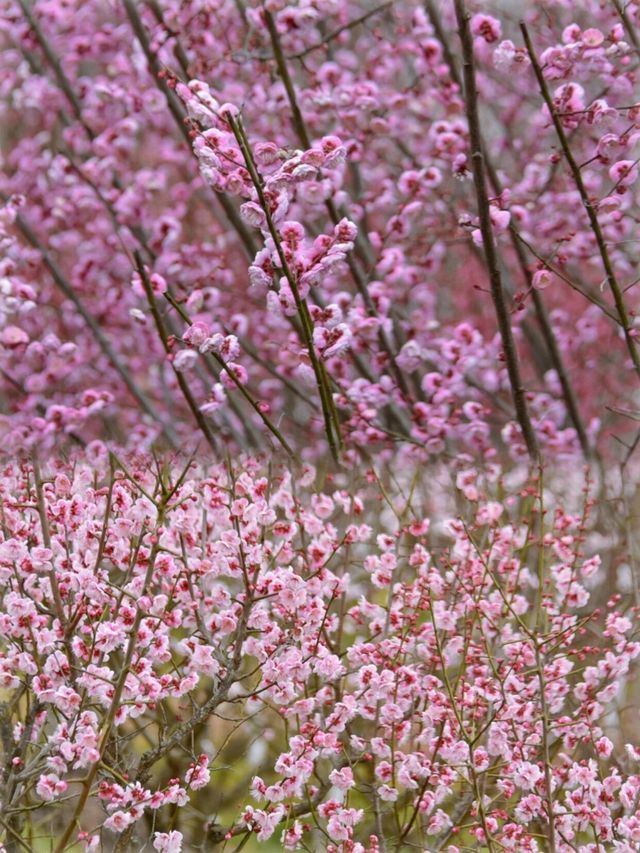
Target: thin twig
{"x":108,"y":724}
{"x":162,"y":332}
{"x":556,"y":270}
{"x":331,"y":419}
{"x":337,"y":32}
{"x":178,"y":50}
{"x":335,"y":216}
{"x":56,"y":65}
{"x":542,"y":315}
{"x":179,"y":115}
{"x":629,"y":27}
{"x":217,"y":836}
{"x":100,"y":338}
{"x":273,"y":429}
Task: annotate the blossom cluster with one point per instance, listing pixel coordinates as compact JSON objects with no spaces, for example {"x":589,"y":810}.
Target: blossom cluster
{"x":318,"y":417}
{"x":298,"y":177}
{"x":436,"y":676}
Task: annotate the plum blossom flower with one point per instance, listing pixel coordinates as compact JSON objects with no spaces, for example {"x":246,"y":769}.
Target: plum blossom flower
{"x":291,"y":837}
{"x":13,"y":336}
{"x":387,"y":793}
{"x":49,"y":786}
{"x":119,"y":821}
{"x":592,"y":37}
{"x":198,"y":775}
{"x":527,"y":775}
{"x":331,"y":342}
{"x":185,"y":360}
{"x":342,"y":779}
{"x":486,"y":27}
{"x":623,"y":174}
{"x":541,"y":279}
{"x":254,"y":214}
{"x":168,"y":842}
{"x":196,"y":334}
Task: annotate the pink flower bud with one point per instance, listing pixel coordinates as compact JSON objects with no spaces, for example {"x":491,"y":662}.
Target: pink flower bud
{"x":541,"y":279}
{"x":12,"y":337}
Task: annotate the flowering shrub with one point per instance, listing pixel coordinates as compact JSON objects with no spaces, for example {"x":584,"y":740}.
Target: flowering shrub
{"x":295,"y":181}
{"x":428,"y":681}
{"x":318,"y":328}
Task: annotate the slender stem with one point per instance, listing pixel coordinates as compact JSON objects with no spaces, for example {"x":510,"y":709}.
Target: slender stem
{"x":178,"y":50}
{"x":118,"y":689}
{"x":54,"y":62}
{"x":541,"y":628}
{"x":589,"y":206}
{"x":486,"y":229}
{"x":570,"y":399}
{"x":253,"y":353}
{"x":179,"y":115}
{"x":546,"y":755}
{"x":174,"y":104}
{"x":162,"y":332}
{"x":273,"y":429}
{"x":100,"y":338}
{"x":557,"y":270}
{"x":46,"y":540}
{"x":331,"y":419}
{"x":142,"y":239}
{"x":302,"y":133}
{"x":629,"y":27}
{"x":14,"y":838}
{"x":335,"y":33}
{"x":217,"y":836}
{"x":283,"y":71}
{"x":538,"y":302}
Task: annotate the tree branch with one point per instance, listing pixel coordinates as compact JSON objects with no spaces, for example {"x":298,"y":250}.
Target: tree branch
{"x":495,"y":279}
{"x":611,"y":278}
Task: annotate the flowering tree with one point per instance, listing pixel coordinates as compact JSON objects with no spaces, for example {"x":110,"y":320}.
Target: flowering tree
{"x":317,"y":339}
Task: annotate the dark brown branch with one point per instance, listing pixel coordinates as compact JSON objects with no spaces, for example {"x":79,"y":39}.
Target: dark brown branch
{"x":611,"y":278}
{"x":179,"y":115}
{"x":178,"y":50}
{"x":542,"y":315}
{"x":303,"y":135}
{"x":495,"y":280}
{"x":273,"y":429}
{"x":629,"y":27}
{"x":568,"y":393}
{"x":100,"y":338}
{"x":330,"y":414}
{"x":162,"y":332}
{"x":54,"y":62}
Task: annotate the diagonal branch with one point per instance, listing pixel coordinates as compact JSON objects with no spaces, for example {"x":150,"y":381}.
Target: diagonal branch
{"x":616,"y":290}
{"x":337,"y":32}
{"x":255,"y":405}
{"x":540,"y":308}
{"x":100,"y":338}
{"x":486,"y":229}
{"x":329,"y":411}
{"x":56,"y":65}
{"x":179,"y":115}
{"x":628,"y":24}
{"x":302,"y":133}
{"x":164,"y":337}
